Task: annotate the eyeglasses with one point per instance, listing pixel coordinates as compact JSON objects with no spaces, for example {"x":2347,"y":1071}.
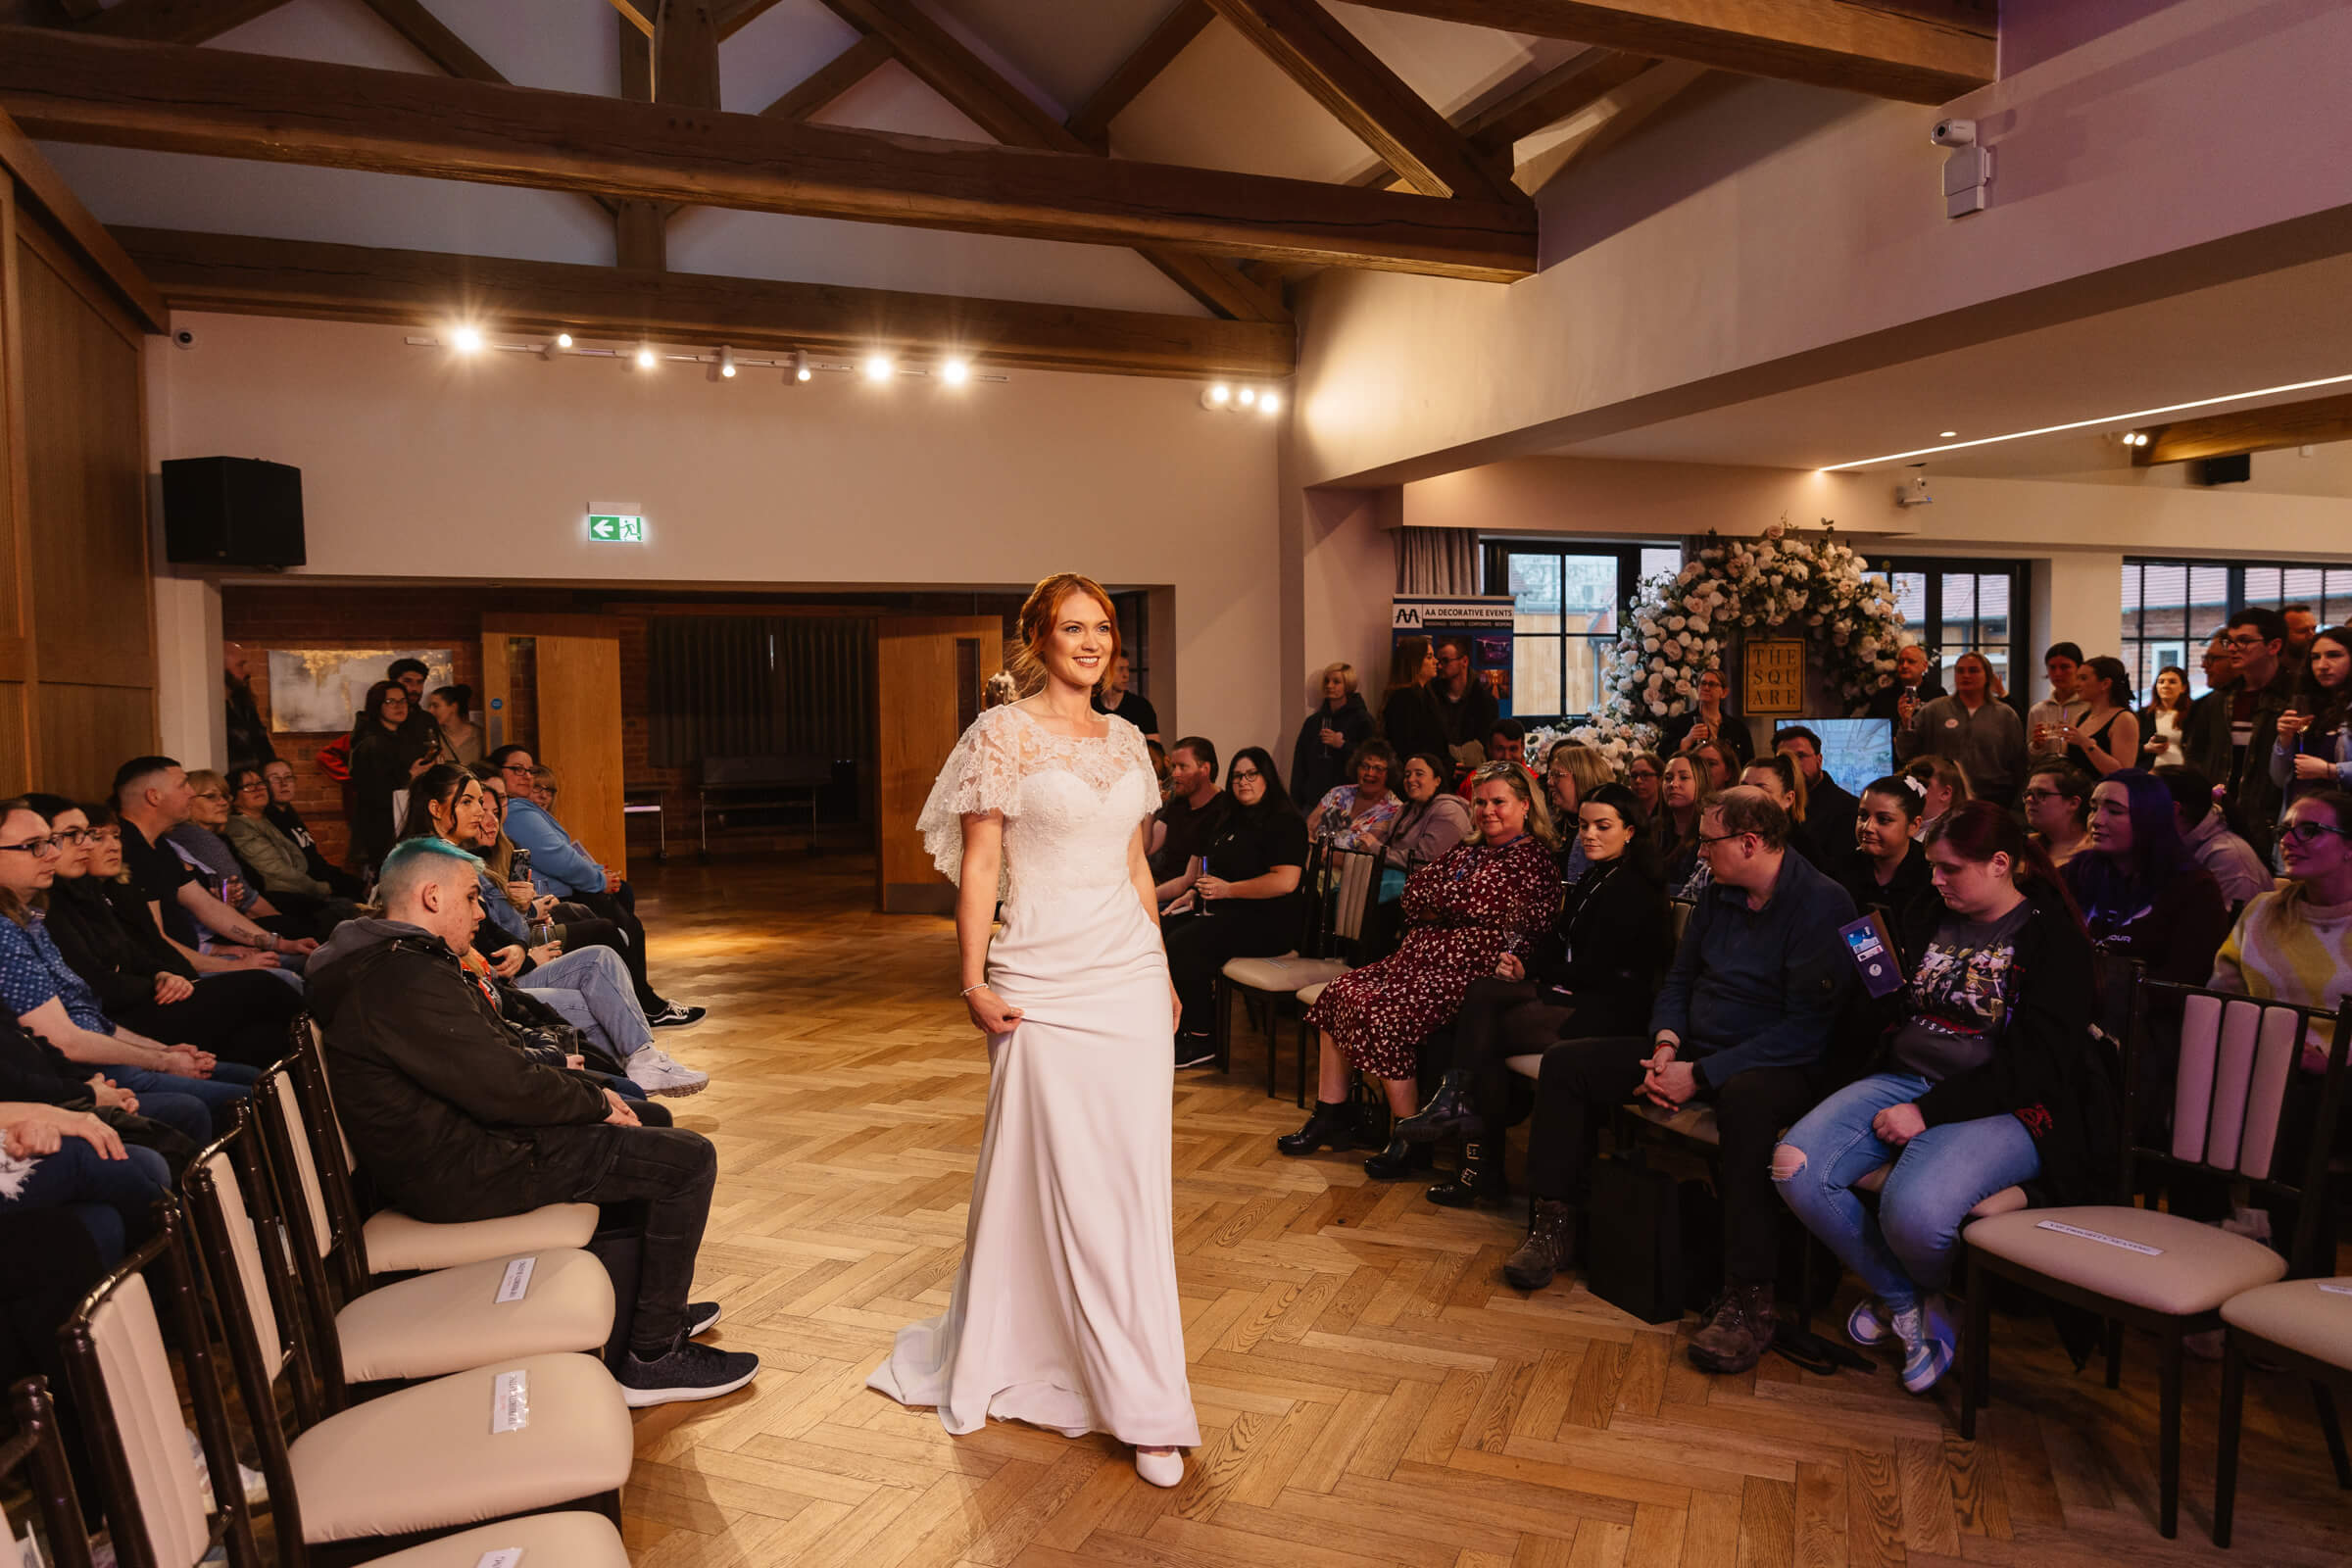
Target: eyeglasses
{"x":251,"y":785}
{"x":74,"y":835}
{"x":1720,"y":838}
{"x":524,"y":768}
{"x":2308,"y":832}
{"x":2038,"y":795}
{"x":1237,"y":776}
{"x":2250,"y":640}
{"x":39,"y":849}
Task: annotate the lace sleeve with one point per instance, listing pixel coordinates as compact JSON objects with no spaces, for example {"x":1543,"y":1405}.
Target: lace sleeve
{"x":1138,"y":754}
{"x":982,"y":774}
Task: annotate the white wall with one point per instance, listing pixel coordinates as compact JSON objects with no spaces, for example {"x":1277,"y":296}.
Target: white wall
{"x":417,"y":463}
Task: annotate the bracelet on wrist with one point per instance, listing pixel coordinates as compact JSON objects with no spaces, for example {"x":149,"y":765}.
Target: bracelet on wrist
{"x":968,"y":990}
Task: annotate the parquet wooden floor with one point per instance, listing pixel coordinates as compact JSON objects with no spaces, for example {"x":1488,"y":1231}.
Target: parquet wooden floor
{"x":1369,"y":1390}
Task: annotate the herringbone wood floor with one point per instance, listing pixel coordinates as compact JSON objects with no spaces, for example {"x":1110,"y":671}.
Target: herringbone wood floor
{"x":1369,"y":1390}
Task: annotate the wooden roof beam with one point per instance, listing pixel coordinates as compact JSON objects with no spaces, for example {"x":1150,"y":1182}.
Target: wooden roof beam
{"x":1920,"y":51}
{"x":212,"y":101}
{"x":1091,"y":124}
{"x":175,"y":21}
{"x":413,"y":288}
{"x":1315,"y":50}
{"x":2315,"y":421}
{"x":1569,"y":89}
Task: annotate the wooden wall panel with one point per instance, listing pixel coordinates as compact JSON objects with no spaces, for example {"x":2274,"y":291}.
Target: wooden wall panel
{"x":16,"y":767}
{"x":87,"y":732}
{"x":927,"y":690}
{"x":15,"y":645}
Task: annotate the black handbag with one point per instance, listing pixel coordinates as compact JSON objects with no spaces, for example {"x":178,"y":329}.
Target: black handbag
{"x":1634,"y":1239}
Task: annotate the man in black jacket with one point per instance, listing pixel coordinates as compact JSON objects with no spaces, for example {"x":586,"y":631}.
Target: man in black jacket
{"x":456,"y":1123}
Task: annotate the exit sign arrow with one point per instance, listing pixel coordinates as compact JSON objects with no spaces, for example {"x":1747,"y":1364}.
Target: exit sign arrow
{"x":615,"y":529}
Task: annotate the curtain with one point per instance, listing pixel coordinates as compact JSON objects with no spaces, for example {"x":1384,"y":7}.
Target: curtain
{"x":1437,"y":561}
{"x":757,"y":686}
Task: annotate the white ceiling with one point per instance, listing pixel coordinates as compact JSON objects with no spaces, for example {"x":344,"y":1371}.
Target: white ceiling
{"x":1220,"y":105}
{"x":2290,"y":326}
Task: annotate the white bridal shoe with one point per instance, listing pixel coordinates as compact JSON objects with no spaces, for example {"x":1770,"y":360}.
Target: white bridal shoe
{"x":1160,"y":1469}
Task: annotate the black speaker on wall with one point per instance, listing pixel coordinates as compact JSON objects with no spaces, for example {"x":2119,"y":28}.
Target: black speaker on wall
{"x":231,"y":512}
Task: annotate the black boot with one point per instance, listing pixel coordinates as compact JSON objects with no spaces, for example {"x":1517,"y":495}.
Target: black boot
{"x":1479,"y":1181}
{"x":1333,"y":1125}
{"x":1449,"y":1113}
{"x":1400,"y":1160}
{"x":1548,"y":1247}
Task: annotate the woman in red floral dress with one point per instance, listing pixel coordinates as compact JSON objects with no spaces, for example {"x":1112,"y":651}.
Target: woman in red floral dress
{"x":1488,"y":896}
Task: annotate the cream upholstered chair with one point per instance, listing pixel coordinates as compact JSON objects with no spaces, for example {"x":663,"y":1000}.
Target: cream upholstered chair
{"x":120,"y":1374}
{"x":2237,"y":1071}
{"x":1340,"y":886}
{"x":425,"y":1324}
{"x":2306,"y":1324}
{"x":389,"y":1242}
{"x":39,"y":1453}
{"x":518,"y":1435}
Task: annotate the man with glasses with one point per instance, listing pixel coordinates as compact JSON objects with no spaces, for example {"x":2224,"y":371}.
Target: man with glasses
{"x":1743,"y":1021}
{"x":1466,"y":707}
{"x":2243,"y":724}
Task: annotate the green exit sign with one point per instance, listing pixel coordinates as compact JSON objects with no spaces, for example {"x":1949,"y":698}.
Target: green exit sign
{"x":615,"y":528}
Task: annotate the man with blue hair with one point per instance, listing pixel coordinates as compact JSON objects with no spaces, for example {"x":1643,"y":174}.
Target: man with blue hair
{"x":455,"y":1123}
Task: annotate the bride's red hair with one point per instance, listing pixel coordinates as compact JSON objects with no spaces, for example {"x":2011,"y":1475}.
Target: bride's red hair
{"x":1025,"y":658}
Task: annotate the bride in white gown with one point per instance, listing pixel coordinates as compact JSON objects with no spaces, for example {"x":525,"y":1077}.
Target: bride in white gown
{"x":1064,"y":1313}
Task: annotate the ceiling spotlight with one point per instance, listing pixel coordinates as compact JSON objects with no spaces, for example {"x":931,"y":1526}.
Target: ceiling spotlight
{"x":1270,"y":402}
{"x":560,"y":344}
{"x":563,"y":341}
{"x":1220,"y":394}
{"x":466,"y":340}
{"x":646,"y":359}
{"x":955,"y":372}
{"x":1945,"y":435}
{"x":726,"y":362}
{"x":1248,"y":396}
{"x":878,"y":368}
{"x":800,"y":364}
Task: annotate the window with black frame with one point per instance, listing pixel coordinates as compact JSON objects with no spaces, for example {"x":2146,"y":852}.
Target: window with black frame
{"x":1958,"y":605}
{"x":1569,"y":597}
{"x":2173,"y":605}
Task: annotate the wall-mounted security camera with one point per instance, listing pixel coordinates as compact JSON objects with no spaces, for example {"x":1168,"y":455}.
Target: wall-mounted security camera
{"x":1967,"y":172}
{"x":1954,"y":133}
{"x":183,"y":338}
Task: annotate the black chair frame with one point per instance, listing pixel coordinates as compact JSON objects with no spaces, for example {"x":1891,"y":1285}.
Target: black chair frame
{"x":39,"y":1449}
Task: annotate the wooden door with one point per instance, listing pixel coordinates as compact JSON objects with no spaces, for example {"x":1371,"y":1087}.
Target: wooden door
{"x":928,"y":672}
{"x":552,"y":683}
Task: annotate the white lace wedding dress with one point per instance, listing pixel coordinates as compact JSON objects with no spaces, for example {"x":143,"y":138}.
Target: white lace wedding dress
{"x":1065,"y":1313}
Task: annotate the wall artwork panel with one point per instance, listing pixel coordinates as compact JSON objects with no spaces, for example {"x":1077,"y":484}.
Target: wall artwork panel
{"x":317,"y":690}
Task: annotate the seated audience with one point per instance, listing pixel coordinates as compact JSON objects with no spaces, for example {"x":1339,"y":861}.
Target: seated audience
{"x":1572,"y":771}
{"x":2057,"y":808}
{"x":42,"y":992}
{"x":1644,"y":771}
{"x":2163,"y":722}
{"x":2141,"y":893}
{"x":32,"y":1070}
{"x":1340,"y":723}
{"x":1710,"y":719}
{"x":1779,"y":777}
{"x":2314,"y":748}
{"x":1685,"y":793}
{"x":1886,"y":871}
{"x":2105,"y":735}
{"x":1914,"y":687}
{"x":151,"y":796}
{"x":457,"y":738}
{"x":202,"y":846}
{"x":1828,"y":809}
{"x":282,"y":814}
{"x":1182,"y":827}
{"x":1463,"y":911}
{"x":1408,"y":716}
{"x":1433,"y":821}
{"x":1358,"y":816}
{"x":387,"y":753}
{"x":1742,"y":1019}
{"x":1593,"y":973}
{"x":70,"y":1159}
{"x":1976,"y":729}
{"x":1945,"y":785}
{"x":559,"y":865}
{"x":279,"y":869}
{"x":451,"y":1123}
{"x":577,"y":969}
{"x":1718,"y":762}
{"x":1973,"y":1089}
{"x":1244,"y":903}
{"x":2206,"y":831}
{"x":1506,"y":742}
{"x":139,"y":980}
{"x":2295,"y":944}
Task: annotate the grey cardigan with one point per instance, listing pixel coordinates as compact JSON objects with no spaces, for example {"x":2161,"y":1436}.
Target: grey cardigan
{"x":1445,"y":823}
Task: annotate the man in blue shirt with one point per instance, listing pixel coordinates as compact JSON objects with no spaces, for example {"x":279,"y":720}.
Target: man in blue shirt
{"x":559,"y":865}
{"x":1743,"y":1021}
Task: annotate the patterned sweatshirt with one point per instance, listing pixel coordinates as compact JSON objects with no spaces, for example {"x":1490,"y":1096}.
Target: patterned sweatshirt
{"x":2287,"y":948}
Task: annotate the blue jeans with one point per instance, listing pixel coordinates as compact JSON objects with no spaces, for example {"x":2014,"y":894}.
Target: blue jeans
{"x":103,"y":1194}
{"x":218,"y":1093}
{"x":1906,"y":1249}
{"x":591,"y":988}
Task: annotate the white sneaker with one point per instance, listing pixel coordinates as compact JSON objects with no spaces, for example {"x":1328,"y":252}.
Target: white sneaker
{"x":656,"y":1073}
